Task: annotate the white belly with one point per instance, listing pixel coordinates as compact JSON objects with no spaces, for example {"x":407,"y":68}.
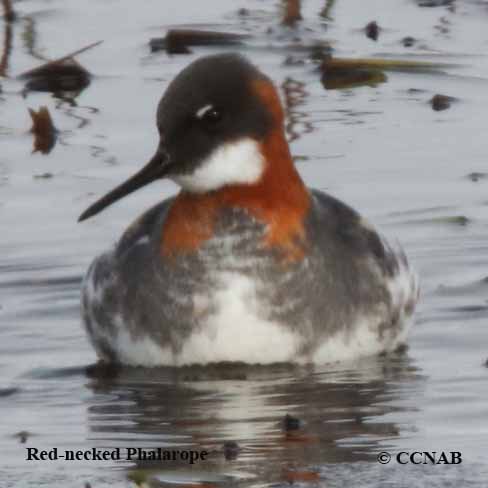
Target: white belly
{"x":231,"y":328}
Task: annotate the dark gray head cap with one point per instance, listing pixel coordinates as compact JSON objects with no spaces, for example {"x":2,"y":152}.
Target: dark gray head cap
{"x":224,"y":84}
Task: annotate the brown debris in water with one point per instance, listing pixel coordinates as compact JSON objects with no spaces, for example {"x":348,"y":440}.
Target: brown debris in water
{"x":461,"y":220}
{"x":7,"y":49}
{"x":326,"y":11}
{"x":372,"y":30}
{"x":66,"y":76}
{"x":197,"y":484}
{"x":138,"y":476}
{"x":294,"y":476}
{"x":339,"y":75}
{"x":320,"y":52}
{"x":291,"y":423}
{"x":146,"y":478}
{"x":6,"y":392}
{"x":405,"y":66}
{"x":349,"y":73}
{"x":434,"y":3}
{"x":62,"y":74}
{"x":441,"y":102}
{"x":408,"y":41}
{"x":23,"y":436}
{"x":178,"y":41}
{"x":292,"y":12}
{"x":231,"y":450}
{"x":43,"y":176}
{"x":298,"y":437}
{"x":8,"y":12}
{"x":294,"y":432}
{"x":477,"y":176}
{"x":43,"y":130}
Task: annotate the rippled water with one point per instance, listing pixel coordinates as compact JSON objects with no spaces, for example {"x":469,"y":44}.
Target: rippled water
{"x":409,"y":169}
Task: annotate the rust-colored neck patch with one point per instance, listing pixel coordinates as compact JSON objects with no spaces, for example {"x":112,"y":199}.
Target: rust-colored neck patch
{"x":279,"y":199}
{"x":266,"y":92}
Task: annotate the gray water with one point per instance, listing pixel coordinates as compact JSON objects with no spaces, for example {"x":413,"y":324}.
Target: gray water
{"x":382,"y":149}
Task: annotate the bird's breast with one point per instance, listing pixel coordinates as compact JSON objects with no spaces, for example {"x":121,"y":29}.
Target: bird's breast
{"x":231,"y":287}
{"x":193,"y":220}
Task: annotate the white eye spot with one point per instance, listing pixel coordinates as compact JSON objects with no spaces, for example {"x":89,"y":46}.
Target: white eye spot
{"x":202,"y":111}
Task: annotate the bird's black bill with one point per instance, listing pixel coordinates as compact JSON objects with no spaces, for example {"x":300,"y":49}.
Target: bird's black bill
{"x":155,"y":169}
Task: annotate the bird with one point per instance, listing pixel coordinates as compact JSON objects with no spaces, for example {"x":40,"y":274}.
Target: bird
{"x":245,"y":263}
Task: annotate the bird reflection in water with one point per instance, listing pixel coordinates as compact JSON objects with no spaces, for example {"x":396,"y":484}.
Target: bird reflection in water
{"x":283,"y":422}
{"x":297,"y":121}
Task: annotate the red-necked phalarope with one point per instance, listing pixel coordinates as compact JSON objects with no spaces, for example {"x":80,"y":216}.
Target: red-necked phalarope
{"x":245,"y":263}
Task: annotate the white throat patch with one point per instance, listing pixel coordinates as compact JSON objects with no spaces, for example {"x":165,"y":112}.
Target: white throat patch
{"x":232,"y":163}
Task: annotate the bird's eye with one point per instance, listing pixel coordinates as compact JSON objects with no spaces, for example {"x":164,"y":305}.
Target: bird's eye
{"x":209,"y":115}
{"x":212,"y":116}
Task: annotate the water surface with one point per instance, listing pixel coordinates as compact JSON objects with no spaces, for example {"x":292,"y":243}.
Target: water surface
{"x":418,"y":174}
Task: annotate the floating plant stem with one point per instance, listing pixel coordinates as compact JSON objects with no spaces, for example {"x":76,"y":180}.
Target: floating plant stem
{"x":43,"y":130}
{"x":292,"y":12}
{"x":8,"y":11}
